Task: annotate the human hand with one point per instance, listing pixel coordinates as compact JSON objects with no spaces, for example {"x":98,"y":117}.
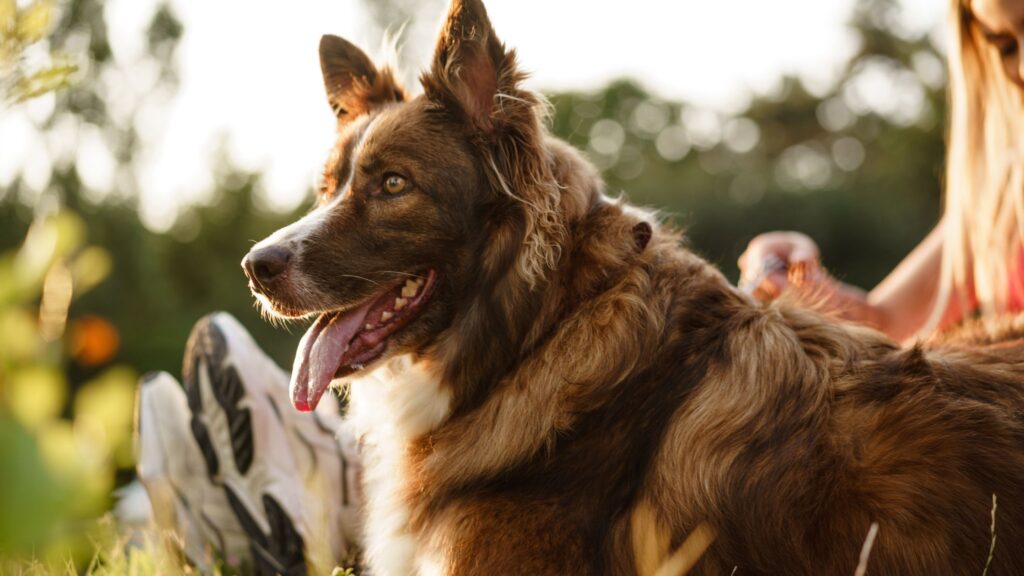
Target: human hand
{"x":775,"y":260}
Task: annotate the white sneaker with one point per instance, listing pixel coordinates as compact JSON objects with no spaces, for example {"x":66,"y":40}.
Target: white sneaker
{"x":288,"y":479}
{"x":171,"y":468}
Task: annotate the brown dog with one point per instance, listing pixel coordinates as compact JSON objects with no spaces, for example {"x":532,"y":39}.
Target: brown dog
{"x":531,"y":363}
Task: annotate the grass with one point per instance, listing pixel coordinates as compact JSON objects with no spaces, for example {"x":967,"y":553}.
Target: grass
{"x":152,"y":552}
{"x":865,"y":551}
{"x":119,"y":552}
{"x":149,"y":553}
{"x":992,"y":546}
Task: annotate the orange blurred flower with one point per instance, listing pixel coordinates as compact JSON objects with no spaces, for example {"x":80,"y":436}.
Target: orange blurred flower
{"x":94,"y":340}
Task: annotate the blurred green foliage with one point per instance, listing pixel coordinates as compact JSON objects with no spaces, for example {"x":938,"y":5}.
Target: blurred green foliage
{"x":24,"y":73}
{"x":60,"y":450}
{"x":861,"y":177}
{"x":859,"y":174}
{"x":60,"y":447}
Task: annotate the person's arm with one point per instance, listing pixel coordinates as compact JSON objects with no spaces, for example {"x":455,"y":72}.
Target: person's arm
{"x":905,"y":298}
{"x":899,"y":306}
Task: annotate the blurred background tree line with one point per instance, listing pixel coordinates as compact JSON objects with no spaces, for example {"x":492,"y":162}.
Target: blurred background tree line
{"x":859,"y":174}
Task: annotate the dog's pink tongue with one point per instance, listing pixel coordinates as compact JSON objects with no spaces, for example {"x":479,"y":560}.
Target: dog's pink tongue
{"x":319,"y":356}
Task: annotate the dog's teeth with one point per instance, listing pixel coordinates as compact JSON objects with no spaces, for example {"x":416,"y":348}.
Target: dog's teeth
{"x":400,"y":303}
{"x":410,"y":288}
{"x":369,"y":326}
{"x":385,"y":316}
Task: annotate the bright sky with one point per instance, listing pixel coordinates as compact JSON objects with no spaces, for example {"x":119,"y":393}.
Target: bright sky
{"x":249,"y":70}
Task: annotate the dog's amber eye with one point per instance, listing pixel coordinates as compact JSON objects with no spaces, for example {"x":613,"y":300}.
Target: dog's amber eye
{"x":395,"y":184}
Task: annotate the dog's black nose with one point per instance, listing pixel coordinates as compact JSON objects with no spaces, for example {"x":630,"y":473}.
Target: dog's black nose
{"x":265,"y":265}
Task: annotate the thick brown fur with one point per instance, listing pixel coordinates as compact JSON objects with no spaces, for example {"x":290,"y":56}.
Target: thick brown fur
{"x":589,"y":369}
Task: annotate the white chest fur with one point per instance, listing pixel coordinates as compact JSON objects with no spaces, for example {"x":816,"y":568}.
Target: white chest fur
{"x":388,"y":408}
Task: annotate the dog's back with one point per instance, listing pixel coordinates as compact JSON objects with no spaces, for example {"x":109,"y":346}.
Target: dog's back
{"x":814,"y":431}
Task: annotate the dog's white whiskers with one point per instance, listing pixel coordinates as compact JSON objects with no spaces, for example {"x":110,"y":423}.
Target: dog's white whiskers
{"x":398,"y":273}
{"x":361,"y":278}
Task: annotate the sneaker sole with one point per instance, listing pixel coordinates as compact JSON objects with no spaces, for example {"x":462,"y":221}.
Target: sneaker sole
{"x":280,"y":552}
{"x":207,"y":343}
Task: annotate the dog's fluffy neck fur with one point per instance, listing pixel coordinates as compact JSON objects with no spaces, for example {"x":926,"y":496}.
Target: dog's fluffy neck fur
{"x":506,"y":315}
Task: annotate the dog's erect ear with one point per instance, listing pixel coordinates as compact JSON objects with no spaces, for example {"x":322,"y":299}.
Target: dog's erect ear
{"x":471,"y":66}
{"x":474,"y":75}
{"x":354,"y":85}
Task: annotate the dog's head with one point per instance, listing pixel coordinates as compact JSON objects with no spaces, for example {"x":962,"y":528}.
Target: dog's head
{"x":423,"y":201}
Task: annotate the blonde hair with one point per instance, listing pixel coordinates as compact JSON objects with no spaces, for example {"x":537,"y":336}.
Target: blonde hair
{"x":984,"y":201}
